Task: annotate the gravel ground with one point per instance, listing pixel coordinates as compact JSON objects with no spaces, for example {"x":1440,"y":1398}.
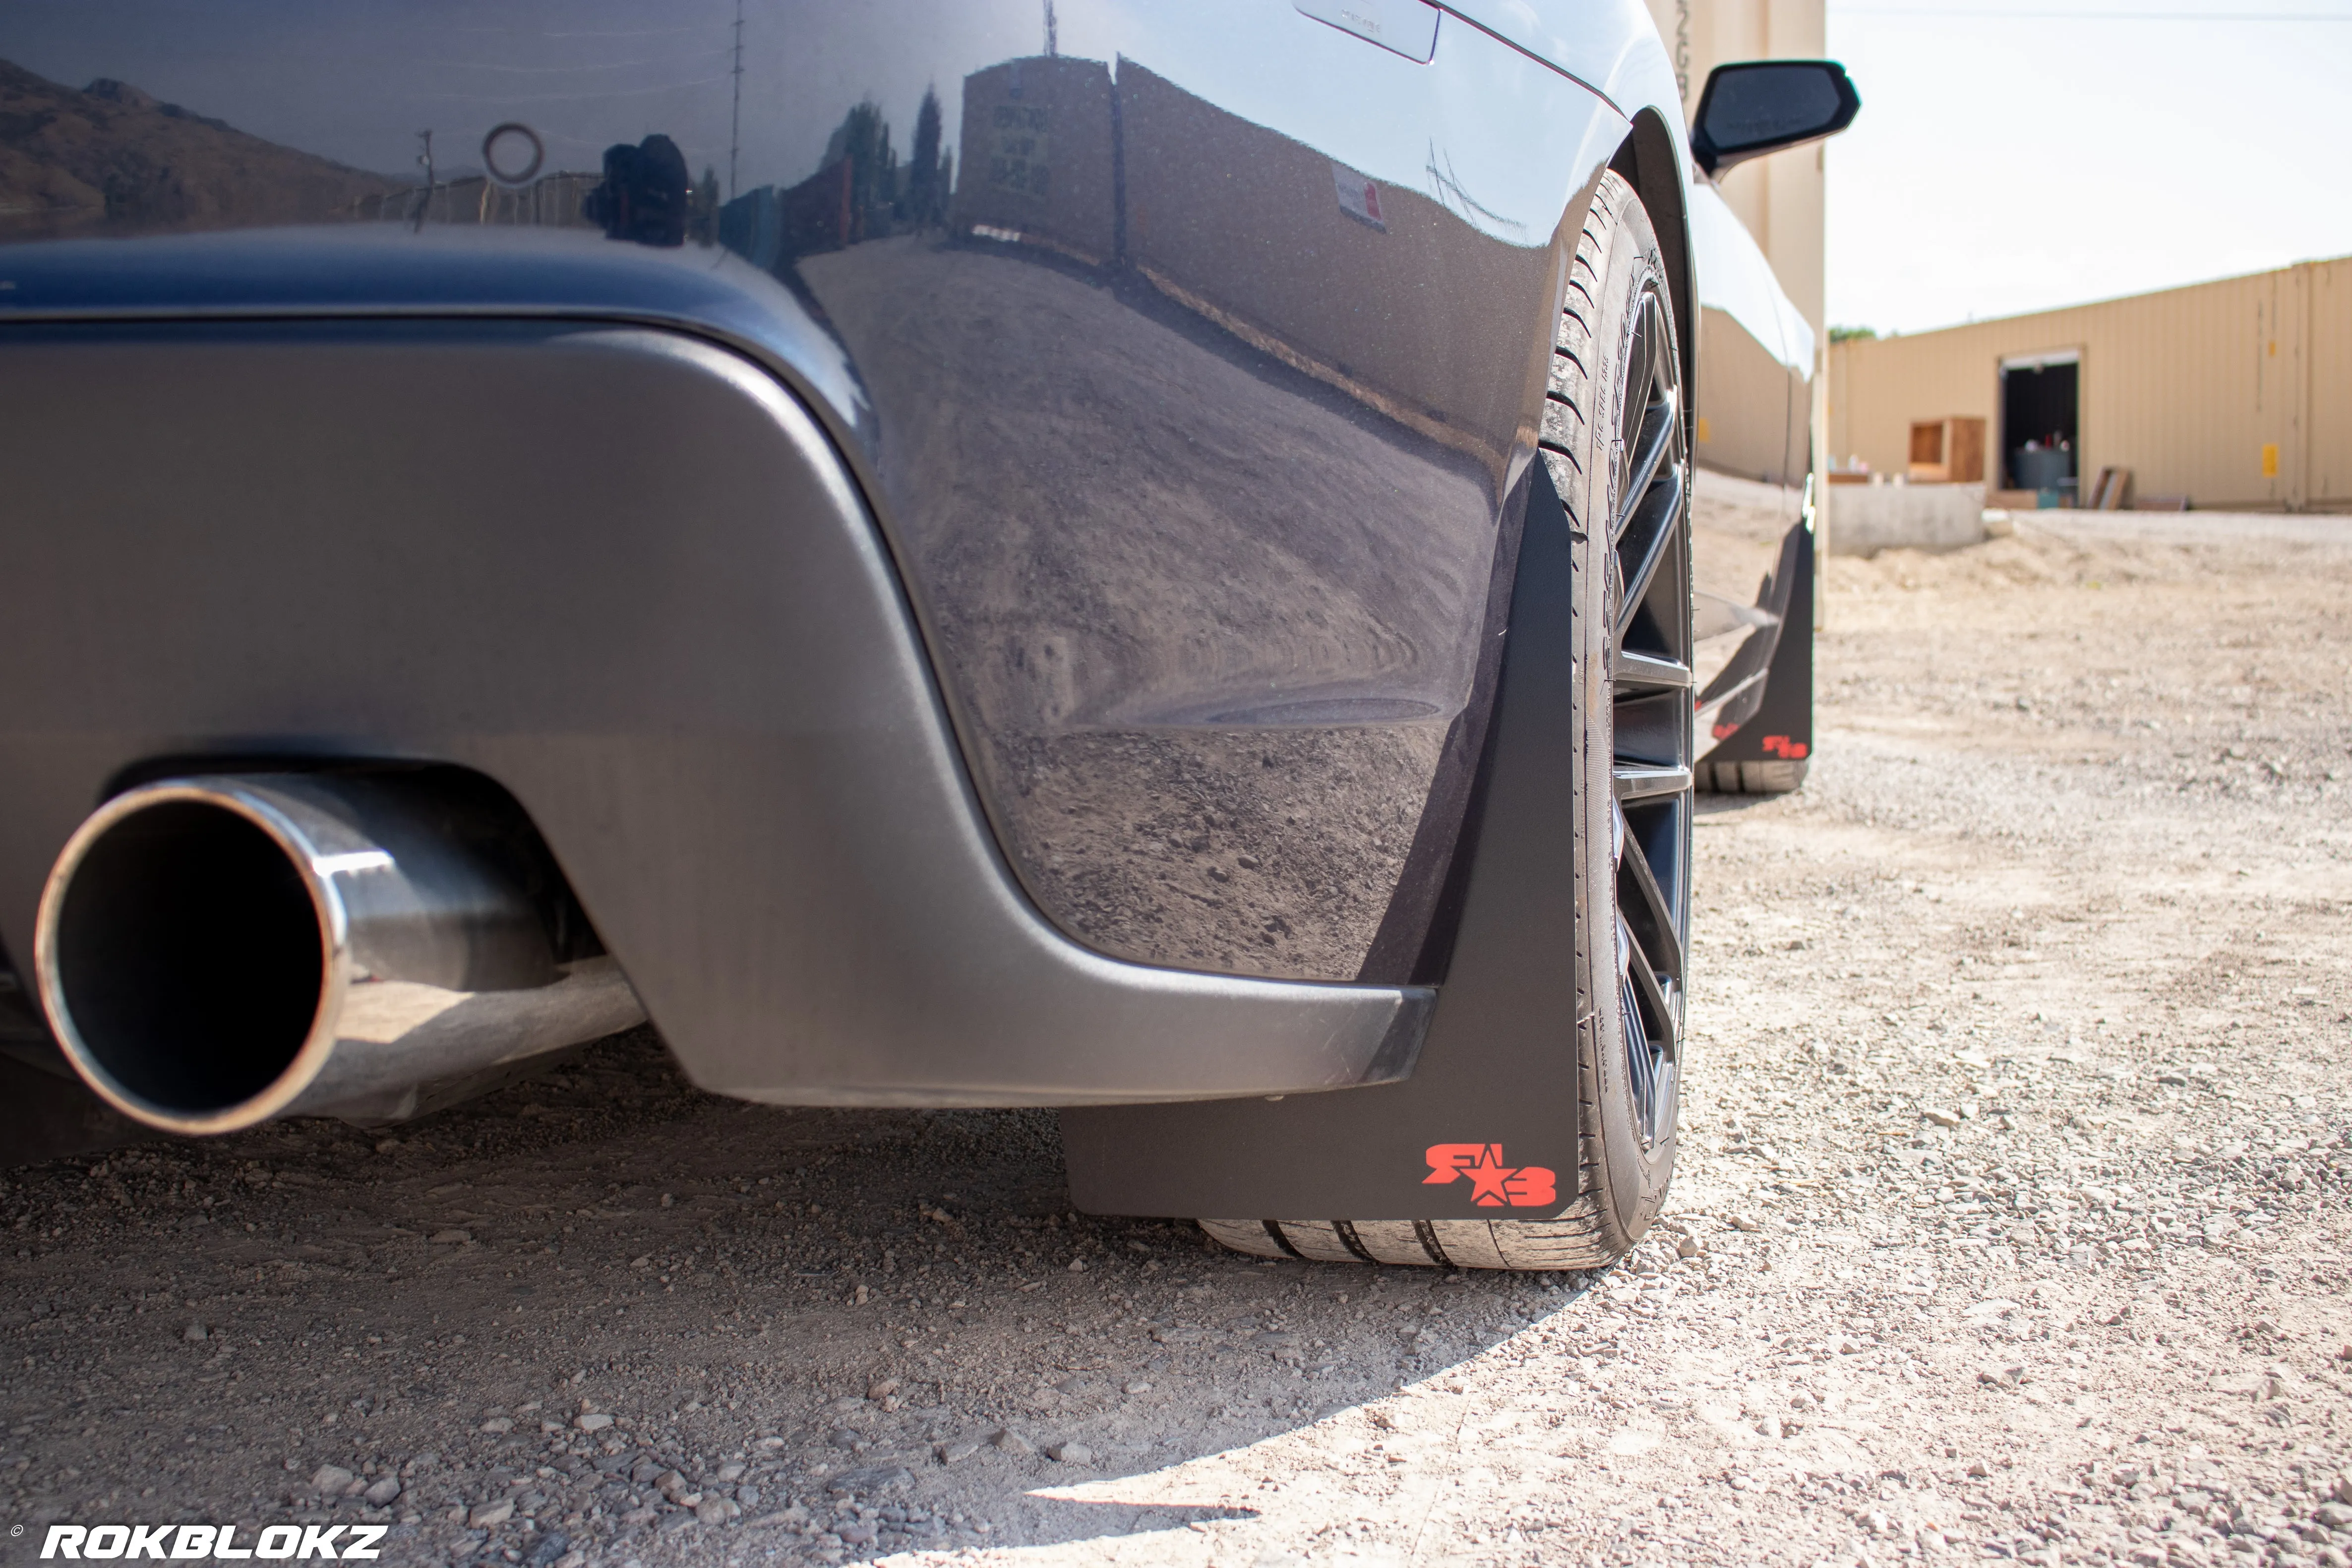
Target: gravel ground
{"x":2012,"y":1221}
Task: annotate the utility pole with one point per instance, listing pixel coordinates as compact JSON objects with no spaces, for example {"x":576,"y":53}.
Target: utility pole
{"x":1681,"y":53}
{"x":425,"y":159}
{"x":735,"y":134}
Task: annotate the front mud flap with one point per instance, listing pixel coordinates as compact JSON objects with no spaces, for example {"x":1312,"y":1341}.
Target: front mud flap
{"x":1759,"y":709}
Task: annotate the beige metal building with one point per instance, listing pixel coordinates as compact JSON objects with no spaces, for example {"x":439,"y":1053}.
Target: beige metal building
{"x":1778,"y":199}
{"x":2231,"y":396}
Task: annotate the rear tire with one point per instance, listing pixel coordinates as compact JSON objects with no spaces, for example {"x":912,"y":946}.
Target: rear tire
{"x":1615,"y":446}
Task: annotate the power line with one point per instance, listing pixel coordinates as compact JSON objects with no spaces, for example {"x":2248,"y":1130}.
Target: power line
{"x":637,"y":33}
{"x":561,"y":71}
{"x":586,"y":95}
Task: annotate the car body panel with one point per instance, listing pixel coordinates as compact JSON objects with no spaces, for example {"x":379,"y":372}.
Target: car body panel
{"x":622,"y":573}
{"x":1191,"y":462}
{"x":1753,"y":562}
{"x":1187,"y":364}
{"x":1610,"y":46}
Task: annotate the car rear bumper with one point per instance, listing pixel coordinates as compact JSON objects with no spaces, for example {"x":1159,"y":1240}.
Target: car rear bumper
{"x":624,"y":573}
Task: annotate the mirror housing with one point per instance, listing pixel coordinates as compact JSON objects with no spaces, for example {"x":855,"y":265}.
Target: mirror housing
{"x":1766,"y":106}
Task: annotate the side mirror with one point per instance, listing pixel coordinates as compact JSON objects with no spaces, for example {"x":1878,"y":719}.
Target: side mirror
{"x":1763,"y":106}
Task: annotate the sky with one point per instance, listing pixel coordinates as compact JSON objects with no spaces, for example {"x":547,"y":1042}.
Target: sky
{"x":2015,"y":155}
{"x":2011,"y":155}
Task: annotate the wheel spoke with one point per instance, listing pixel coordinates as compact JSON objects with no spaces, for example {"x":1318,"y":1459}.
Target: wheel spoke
{"x":1628,"y":668}
{"x":1642,"y":781}
{"x":1660,"y":1021}
{"x":1653,"y":1027}
{"x":1660,"y":425}
{"x":1658,"y":524}
{"x":1650,"y":915}
{"x":1641,"y":1062}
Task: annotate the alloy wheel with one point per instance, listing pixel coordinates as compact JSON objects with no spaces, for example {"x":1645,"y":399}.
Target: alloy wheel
{"x":1651,"y":685}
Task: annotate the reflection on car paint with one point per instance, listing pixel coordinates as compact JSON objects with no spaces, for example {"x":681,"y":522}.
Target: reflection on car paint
{"x":1191,"y":435}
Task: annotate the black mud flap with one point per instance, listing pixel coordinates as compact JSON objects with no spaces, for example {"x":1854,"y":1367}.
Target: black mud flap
{"x":1486,"y":1126}
{"x":1760,"y":708}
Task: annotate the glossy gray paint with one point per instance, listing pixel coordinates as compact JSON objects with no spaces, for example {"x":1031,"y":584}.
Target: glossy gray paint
{"x":1190,"y":463}
{"x":1183,"y":465}
{"x":624,"y":573}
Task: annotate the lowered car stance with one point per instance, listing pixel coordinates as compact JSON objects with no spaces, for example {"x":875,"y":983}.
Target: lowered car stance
{"x":1121,"y":557}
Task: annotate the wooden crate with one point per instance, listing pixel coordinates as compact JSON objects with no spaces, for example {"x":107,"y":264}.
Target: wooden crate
{"x":1948,"y":451}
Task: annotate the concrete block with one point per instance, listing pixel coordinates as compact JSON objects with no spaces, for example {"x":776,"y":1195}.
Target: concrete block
{"x":1867,"y":518}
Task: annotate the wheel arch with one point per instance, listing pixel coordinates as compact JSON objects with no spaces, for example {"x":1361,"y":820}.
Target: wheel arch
{"x":1650,"y":158}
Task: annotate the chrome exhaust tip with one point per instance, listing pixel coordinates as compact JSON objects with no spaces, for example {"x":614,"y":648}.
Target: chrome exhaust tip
{"x":213,"y":952}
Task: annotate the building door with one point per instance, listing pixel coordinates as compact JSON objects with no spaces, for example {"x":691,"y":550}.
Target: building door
{"x":2040,"y":432}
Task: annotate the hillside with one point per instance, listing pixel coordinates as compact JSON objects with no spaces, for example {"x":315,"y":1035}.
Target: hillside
{"x":111,"y":159}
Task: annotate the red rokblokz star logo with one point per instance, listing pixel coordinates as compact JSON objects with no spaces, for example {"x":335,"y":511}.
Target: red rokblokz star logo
{"x":1493,"y":1184}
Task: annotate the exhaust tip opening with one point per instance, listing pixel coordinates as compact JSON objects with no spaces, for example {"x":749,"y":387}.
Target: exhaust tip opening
{"x":186,"y":958}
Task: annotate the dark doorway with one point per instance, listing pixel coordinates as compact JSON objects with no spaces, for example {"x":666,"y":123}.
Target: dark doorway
{"x":2039,"y":433}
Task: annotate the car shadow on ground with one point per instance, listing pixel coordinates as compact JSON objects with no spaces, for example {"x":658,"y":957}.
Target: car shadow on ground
{"x":1708,"y":804}
{"x":605,"y":1306}
{"x":608,"y":1308}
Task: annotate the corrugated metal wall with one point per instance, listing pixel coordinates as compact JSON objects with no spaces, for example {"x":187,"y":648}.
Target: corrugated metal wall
{"x":1779,"y":199}
{"x":1038,"y":155}
{"x":2236,"y":394}
{"x":2329,"y":463}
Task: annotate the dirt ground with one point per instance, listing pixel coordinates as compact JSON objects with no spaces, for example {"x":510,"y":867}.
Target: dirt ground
{"x":2012,"y":1220}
